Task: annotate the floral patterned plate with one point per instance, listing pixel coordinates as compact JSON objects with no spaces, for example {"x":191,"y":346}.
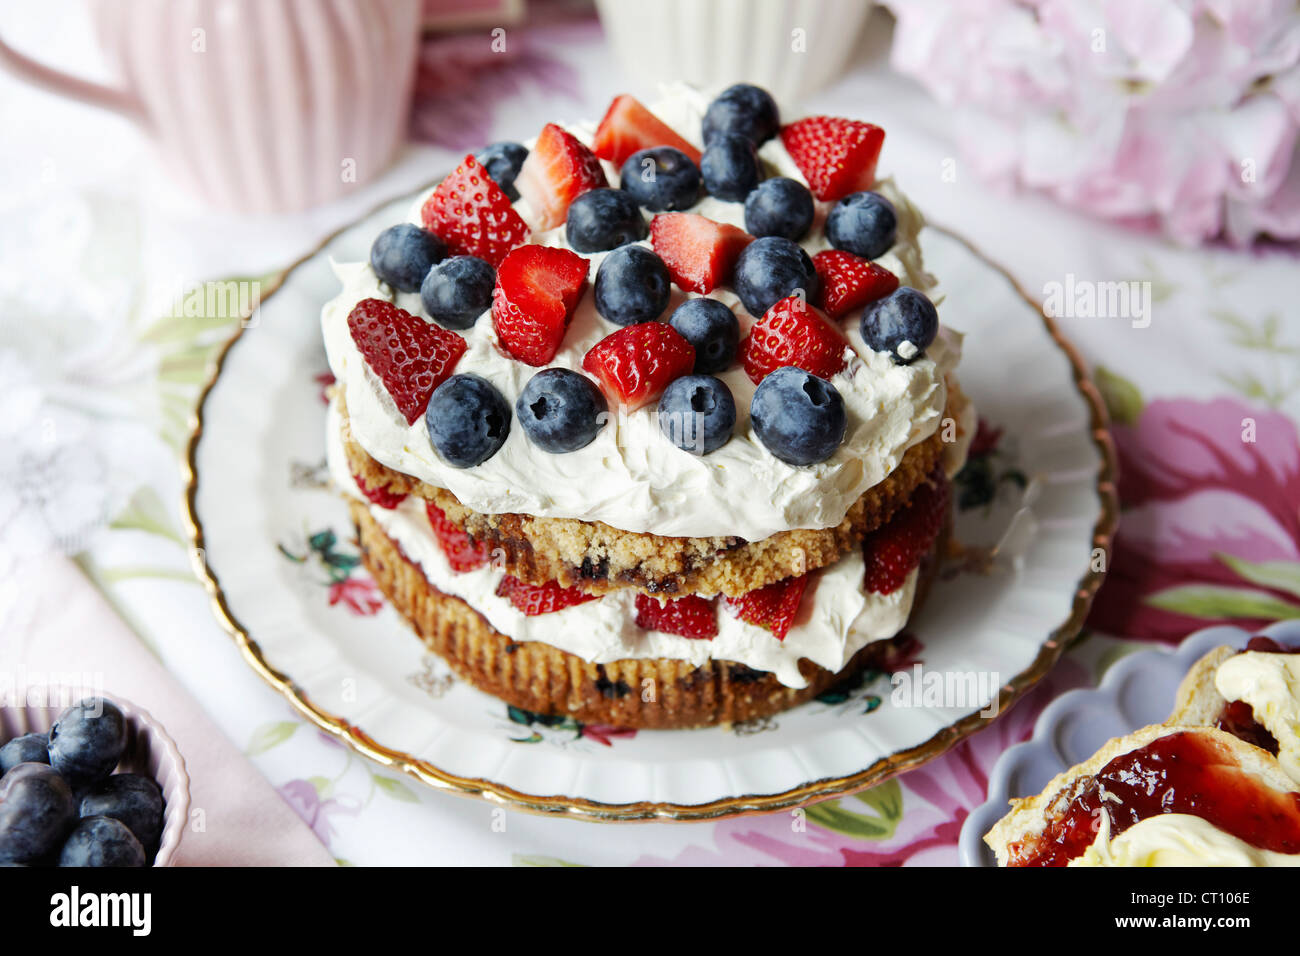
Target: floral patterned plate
{"x":275,"y":548}
{"x":1137,"y":691}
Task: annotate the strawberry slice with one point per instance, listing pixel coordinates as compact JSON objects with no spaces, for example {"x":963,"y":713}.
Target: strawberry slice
{"x":412,"y":357}
{"x":628,"y":126}
{"x":472,"y":215}
{"x":792,"y":332}
{"x":893,"y":551}
{"x":837,"y":156}
{"x":850,"y":282}
{"x":690,"y":616}
{"x":379,"y":496}
{"x":557,"y":171}
{"x":534,"y":599}
{"x":636,"y":363}
{"x":773,"y":607}
{"x":462,"y":553}
{"x":700,"y":254}
{"x":537,"y":289}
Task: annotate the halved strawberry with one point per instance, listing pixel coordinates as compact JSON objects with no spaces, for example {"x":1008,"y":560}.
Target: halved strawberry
{"x":461,"y":553}
{"x":628,"y":126}
{"x":690,"y":616}
{"x":557,"y":171}
{"x":700,"y":254}
{"x":534,"y":599}
{"x":412,"y":357}
{"x":849,"y":282}
{"x":471,"y":214}
{"x":636,"y":363}
{"x":792,"y":332}
{"x":837,"y":156}
{"x":891,"y":552}
{"x":379,"y":496}
{"x":537,"y":289}
{"x":773,"y":607}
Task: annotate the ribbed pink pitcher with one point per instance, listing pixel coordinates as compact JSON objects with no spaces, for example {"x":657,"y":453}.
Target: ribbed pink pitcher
{"x":257,"y":105}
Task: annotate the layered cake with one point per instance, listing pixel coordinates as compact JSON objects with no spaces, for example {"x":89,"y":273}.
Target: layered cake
{"x":651,"y":423}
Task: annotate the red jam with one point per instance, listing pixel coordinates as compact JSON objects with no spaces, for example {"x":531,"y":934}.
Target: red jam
{"x":1266,"y":645}
{"x":1238,"y":719}
{"x":1184,"y":772}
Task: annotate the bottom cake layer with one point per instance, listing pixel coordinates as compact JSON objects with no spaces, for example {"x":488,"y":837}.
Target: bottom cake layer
{"x":640,"y":693}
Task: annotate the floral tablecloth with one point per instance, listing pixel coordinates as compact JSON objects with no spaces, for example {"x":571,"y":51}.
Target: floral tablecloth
{"x":97,"y":389}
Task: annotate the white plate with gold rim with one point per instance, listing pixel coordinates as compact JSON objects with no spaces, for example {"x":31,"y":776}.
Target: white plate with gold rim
{"x":274,"y":546}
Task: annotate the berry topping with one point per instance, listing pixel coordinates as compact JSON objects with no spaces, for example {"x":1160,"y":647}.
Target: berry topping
{"x":730,"y":167}
{"x":779,"y":207}
{"x":690,"y":616}
{"x":712,"y":330}
{"x":502,"y":162}
{"x":891,"y":552}
{"x":798,"y":417}
{"x":793,"y":332}
{"x":634,"y":365}
{"x":410,"y":356}
{"x":744,"y":109}
{"x":632,"y":285}
{"x":534,"y":599}
{"x":379,"y":496}
{"x":537,"y":289}
{"x":603,"y":219}
{"x":556,"y":172}
{"x":769,"y":270}
{"x":628,"y":127}
{"x":560,"y":410}
{"x":904,"y":323}
{"x":461,"y":551}
{"x":773,"y":607}
{"x":471,"y":214}
{"x":836,"y":156}
{"x":87,"y":741}
{"x":697,"y":413}
{"x":864,"y":224}
{"x":661,"y":178}
{"x":457,"y":291}
{"x":700,"y":254}
{"x":402,"y":255}
{"x":849,"y":282}
{"x":468,"y":420}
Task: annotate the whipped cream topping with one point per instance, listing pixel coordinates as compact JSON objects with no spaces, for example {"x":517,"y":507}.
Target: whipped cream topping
{"x":1270,"y":684}
{"x":1176,"y":839}
{"x":631,"y":476}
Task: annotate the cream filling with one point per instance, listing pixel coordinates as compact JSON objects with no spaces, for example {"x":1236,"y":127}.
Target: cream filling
{"x":631,"y":476}
{"x":1176,"y":839}
{"x":1270,"y":684}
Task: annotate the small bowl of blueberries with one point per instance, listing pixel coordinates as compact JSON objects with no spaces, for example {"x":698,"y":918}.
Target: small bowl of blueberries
{"x":95,"y":784}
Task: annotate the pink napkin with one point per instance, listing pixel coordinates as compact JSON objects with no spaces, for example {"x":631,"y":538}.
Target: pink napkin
{"x":61,"y":624}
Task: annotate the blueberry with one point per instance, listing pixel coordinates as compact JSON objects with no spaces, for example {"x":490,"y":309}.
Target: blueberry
{"x":864,"y":224}
{"x":36,"y":811}
{"x":29,"y":748}
{"x":712,"y":329}
{"x":730,"y":167}
{"x":457,"y":291}
{"x":797,"y":416}
{"x":603,"y":219}
{"x":502,"y":162}
{"x":661,"y":178}
{"x":904,"y":315}
{"x":697,"y":413}
{"x":632,"y":285}
{"x":87,"y":741}
{"x":467,"y":419}
{"x":744,"y":109}
{"x":561,"y":410}
{"x":779,"y":207}
{"x":403,"y":254}
{"x":135,"y":800}
{"x":770,"y":269}
{"x":102,"y":841}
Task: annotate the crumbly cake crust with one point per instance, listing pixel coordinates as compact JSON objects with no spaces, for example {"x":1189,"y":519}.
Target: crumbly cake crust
{"x":543,"y":679}
{"x":599,"y":558}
